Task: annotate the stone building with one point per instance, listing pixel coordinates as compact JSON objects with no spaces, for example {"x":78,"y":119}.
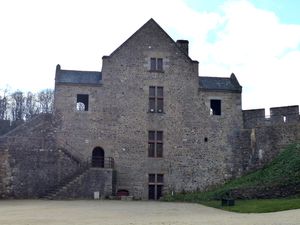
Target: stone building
{"x":145,"y":125}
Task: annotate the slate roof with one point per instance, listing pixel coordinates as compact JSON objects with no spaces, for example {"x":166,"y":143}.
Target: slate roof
{"x":220,"y":84}
{"x":77,"y":77}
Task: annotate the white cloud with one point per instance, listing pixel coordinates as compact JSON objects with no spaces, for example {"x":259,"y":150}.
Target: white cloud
{"x":37,"y":35}
{"x":261,"y":51}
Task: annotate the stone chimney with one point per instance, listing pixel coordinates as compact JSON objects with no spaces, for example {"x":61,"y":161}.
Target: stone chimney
{"x":183,"y":45}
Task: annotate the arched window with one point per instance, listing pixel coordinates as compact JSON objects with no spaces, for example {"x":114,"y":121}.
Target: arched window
{"x":98,"y":157}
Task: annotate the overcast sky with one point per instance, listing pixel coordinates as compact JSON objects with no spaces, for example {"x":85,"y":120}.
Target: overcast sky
{"x":258,"y":40}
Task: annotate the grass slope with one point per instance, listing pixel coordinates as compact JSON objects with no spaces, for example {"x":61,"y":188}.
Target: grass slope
{"x":283,"y":170}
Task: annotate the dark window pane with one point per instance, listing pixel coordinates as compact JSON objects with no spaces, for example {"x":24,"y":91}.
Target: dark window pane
{"x":215,"y":106}
{"x":159,"y":192}
{"x":153,"y":64}
{"x":151,"y":91}
{"x":160,"y":91}
{"x":160,"y":105}
{"x":160,"y":178}
{"x":151,"y":192}
{"x":151,"y":149}
{"x":159,"y":136}
{"x":159,"y":150}
{"x":151,"y":135}
{"x":151,"y":178}
{"x":84,"y":99}
{"x":160,"y":64}
{"x":152,"y":104}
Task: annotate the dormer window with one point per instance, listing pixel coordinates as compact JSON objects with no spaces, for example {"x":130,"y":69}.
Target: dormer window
{"x":156,"y":64}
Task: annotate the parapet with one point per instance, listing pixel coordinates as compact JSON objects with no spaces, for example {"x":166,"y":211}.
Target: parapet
{"x":278,"y":115}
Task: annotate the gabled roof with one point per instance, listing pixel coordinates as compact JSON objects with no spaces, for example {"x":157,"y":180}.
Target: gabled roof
{"x":220,"y":84}
{"x":149,"y":23}
{"x":77,"y":77}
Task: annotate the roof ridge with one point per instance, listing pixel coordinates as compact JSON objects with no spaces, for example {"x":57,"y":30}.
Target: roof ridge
{"x":151,"y":20}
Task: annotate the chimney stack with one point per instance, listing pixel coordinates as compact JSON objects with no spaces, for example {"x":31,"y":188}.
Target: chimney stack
{"x":183,"y":45}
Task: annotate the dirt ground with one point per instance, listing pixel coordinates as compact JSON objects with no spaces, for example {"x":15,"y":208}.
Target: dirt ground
{"x":99,"y":212}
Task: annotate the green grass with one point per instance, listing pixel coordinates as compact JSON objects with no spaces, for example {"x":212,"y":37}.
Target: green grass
{"x":283,"y":170}
{"x":257,"y":206}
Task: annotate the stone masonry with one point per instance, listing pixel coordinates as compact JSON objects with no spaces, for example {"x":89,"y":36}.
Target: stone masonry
{"x":165,"y":128}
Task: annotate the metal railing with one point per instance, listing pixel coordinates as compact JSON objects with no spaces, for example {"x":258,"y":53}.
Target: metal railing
{"x":101,"y":162}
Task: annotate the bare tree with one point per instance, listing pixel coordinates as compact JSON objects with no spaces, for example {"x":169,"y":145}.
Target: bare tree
{"x":45,"y":100}
{"x":3,"y":105}
{"x":17,"y":106}
{"x":30,"y":105}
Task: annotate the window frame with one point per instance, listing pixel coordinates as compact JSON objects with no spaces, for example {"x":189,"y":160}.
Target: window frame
{"x":156,"y":99}
{"x":153,"y":150}
{"x":156,"y":185}
{"x":156,"y":64}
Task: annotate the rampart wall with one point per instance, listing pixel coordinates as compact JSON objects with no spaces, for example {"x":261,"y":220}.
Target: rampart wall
{"x":263,"y":138}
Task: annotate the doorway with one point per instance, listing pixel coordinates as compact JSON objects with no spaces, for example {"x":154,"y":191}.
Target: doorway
{"x":98,"y":157}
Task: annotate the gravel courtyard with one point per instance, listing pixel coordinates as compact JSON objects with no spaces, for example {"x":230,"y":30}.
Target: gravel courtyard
{"x":39,"y":212}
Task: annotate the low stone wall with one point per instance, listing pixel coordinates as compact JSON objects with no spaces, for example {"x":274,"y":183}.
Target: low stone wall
{"x":4,"y":174}
{"x":266,"y":192}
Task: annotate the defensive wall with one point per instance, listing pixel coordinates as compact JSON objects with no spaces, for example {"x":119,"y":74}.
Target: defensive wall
{"x":263,"y":137}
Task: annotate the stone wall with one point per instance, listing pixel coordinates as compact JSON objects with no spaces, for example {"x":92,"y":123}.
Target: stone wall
{"x":4,"y":174}
{"x":93,"y":180}
{"x":278,"y":115}
{"x":31,"y":161}
{"x":7,"y":125}
{"x":197,"y":147}
{"x":264,"y":192}
{"x":262,"y":139}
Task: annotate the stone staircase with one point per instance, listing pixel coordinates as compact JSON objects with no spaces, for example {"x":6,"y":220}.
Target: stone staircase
{"x":84,"y":185}
{"x":57,"y":192}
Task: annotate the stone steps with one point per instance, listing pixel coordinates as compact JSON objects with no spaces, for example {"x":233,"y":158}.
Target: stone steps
{"x":54,"y":192}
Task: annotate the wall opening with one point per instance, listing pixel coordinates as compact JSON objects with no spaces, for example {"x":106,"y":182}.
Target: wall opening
{"x":205,"y":139}
{"x":122,"y":192}
{"x":284,"y":119}
{"x":98,"y":157}
{"x":215,"y":107}
{"x":155,"y":186}
{"x":82,"y":103}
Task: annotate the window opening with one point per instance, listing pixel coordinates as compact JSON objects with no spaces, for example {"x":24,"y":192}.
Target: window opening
{"x":155,"y":186}
{"x":215,"y":107}
{"x":156,"y":99}
{"x":284,"y":119}
{"x":82,"y":103}
{"x":205,"y":139}
{"x":156,"y":64}
{"x":155,"y":144}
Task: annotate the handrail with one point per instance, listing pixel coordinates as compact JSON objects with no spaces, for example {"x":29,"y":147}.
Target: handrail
{"x":101,"y":162}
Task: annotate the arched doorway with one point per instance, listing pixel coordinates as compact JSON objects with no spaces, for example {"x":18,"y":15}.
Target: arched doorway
{"x":98,"y":157}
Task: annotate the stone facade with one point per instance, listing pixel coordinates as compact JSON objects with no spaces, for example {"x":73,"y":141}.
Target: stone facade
{"x":205,"y":135}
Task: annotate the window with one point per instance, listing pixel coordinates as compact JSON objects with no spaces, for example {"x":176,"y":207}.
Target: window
{"x":284,"y":119}
{"x":82,"y":103}
{"x":155,"y":144}
{"x":156,"y":182}
{"x":156,"y":64}
{"x":156,"y":99}
{"x":215,"y":107}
